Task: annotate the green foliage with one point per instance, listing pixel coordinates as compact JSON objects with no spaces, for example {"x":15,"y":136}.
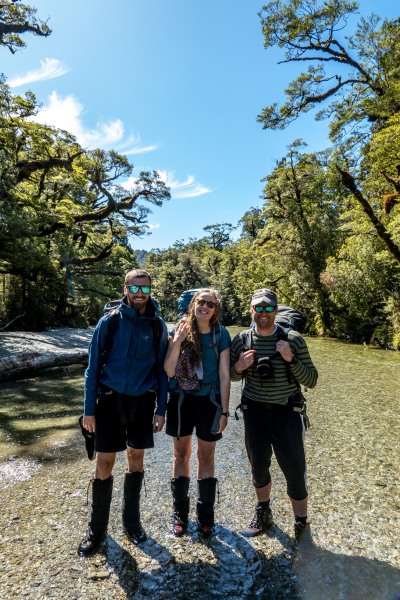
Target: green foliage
{"x":65,"y":219}
{"x":17,"y":19}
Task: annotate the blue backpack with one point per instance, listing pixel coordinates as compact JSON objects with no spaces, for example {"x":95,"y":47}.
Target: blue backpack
{"x":184,"y":300}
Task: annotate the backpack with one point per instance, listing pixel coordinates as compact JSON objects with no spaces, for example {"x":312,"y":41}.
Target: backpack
{"x":184,"y":300}
{"x":112,"y":308}
{"x":290,"y":318}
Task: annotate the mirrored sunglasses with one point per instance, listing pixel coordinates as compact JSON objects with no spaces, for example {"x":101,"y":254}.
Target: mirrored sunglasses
{"x":268,"y":309}
{"x":146,"y":289}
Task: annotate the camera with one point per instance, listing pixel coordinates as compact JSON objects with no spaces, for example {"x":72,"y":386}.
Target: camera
{"x":264,"y":367}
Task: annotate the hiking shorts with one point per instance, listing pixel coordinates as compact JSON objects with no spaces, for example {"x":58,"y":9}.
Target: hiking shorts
{"x":197,"y":413}
{"x":277,"y":428}
{"x":114,"y":436}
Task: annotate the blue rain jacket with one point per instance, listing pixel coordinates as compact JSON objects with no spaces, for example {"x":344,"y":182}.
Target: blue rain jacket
{"x":134,"y":366}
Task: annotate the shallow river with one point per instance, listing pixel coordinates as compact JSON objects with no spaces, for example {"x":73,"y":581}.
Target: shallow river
{"x":353,"y":475}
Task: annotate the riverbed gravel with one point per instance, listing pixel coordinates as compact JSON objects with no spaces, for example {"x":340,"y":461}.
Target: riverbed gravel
{"x":352,"y":552}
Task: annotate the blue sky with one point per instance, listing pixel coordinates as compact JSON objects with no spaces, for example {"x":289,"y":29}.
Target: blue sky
{"x":177,"y":86}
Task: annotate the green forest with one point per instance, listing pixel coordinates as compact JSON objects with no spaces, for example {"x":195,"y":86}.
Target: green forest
{"x":326,"y":238}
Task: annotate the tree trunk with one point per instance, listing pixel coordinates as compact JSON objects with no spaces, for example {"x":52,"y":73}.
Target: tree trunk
{"x":26,"y":363}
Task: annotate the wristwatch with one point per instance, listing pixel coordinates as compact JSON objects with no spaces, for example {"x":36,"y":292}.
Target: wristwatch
{"x":294,"y":361}
{"x":225,"y":414}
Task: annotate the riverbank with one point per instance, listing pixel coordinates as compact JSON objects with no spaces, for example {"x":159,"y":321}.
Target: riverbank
{"x":353,"y":475}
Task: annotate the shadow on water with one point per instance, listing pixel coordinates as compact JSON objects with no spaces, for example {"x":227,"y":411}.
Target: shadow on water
{"x":232,"y":568}
{"x":323,"y":574}
{"x":226,"y":566}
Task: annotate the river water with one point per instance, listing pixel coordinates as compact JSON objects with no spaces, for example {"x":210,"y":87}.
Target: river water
{"x":353,"y":476}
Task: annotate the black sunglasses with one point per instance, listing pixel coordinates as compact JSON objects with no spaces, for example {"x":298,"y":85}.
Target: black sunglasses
{"x":146,"y":289}
{"x":208,"y":302}
{"x":268,"y":309}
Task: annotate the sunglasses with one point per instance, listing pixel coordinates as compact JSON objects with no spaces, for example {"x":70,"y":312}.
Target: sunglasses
{"x":268,"y":309}
{"x":208,"y":302}
{"x":146,"y":289}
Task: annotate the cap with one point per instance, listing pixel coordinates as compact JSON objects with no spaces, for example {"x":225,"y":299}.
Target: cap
{"x":264,"y":295}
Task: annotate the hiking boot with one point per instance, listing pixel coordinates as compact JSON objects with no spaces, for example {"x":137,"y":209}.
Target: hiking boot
{"x":136,"y":536}
{"x":300,"y":530}
{"x":205,"y":531}
{"x":181,"y":501}
{"x":261,"y":521}
{"x":178,"y":527}
{"x":97,"y":530}
{"x":90,"y":543}
{"x":131,"y":508}
{"x":205,"y":505}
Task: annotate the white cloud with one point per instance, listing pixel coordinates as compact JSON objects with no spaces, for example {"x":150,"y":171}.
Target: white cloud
{"x":66,"y":113}
{"x":183,"y":189}
{"x":51,"y":68}
{"x":179,"y":189}
{"x":154,"y":225}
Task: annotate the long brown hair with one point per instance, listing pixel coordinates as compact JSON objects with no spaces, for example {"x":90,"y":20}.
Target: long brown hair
{"x":192,"y":345}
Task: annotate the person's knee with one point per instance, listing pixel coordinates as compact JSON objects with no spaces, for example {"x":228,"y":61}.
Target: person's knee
{"x":205,"y":456}
{"x":297,"y":492}
{"x":182,"y":456}
{"x":135,"y":459}
{"x":105,"y":464}
{"x":261,"y":478}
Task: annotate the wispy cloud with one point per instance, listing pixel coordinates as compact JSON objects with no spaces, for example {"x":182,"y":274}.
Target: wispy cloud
{"x":179,"y":189}
{"x":67,"y":113}
{"x":154,"y":225}
{"x":184,"y":189}
{"x":50,"y":68}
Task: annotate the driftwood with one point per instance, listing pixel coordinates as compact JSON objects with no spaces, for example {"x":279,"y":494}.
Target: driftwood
{"x":24,"y":363}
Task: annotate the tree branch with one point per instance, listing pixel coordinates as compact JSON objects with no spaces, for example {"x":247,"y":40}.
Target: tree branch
{"x":349,"y":182}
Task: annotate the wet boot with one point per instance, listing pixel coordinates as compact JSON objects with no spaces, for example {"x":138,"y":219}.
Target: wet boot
{"x":131,"y":508}
{"x":181,"y":501}
{"x":205,"y":505}
{"x":261,"y":521}
{"x":301,"y":528}
{"x":97,"y":530}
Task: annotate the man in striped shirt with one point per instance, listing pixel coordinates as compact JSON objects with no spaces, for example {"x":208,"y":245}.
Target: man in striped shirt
{"x":272,"y":407}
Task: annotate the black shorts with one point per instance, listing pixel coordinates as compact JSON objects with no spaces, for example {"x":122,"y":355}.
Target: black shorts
{"x":111,"y":434}
{"x":197,"y":412}
{"x":277,"y":428}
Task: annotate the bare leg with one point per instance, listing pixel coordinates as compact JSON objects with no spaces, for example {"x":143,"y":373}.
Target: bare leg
{"x":263,"y":493}
{"x":105,"y":464}
{"x":135,"y":460}
{"x":299,"y":507}
{"x":205,"y":459}
{"x":182,"y":453}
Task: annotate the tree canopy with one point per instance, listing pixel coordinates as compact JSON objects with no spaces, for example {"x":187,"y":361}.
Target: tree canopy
{"x":354,"y":80}
{"x":66,"y":216}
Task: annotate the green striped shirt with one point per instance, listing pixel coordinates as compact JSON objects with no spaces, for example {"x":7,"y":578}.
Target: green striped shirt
{"x":278,"y":389}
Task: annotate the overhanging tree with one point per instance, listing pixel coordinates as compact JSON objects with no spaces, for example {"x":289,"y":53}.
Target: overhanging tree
{"x":356,"y":82}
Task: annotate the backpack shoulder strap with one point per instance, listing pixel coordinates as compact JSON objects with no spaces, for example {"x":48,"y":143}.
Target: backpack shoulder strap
{"x":216,"y":338}
{"x":246,"y":339}
{"x":112,"y":328}
{"x":282,"y":333}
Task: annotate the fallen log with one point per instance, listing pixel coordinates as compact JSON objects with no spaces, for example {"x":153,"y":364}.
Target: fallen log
{"x":25,"y":363}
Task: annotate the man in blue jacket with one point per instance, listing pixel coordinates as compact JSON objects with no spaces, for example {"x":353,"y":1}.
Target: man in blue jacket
{"x":125,"y":402}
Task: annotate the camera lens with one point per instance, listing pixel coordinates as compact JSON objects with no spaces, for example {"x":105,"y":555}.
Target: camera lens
{"x":264,"y":367}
